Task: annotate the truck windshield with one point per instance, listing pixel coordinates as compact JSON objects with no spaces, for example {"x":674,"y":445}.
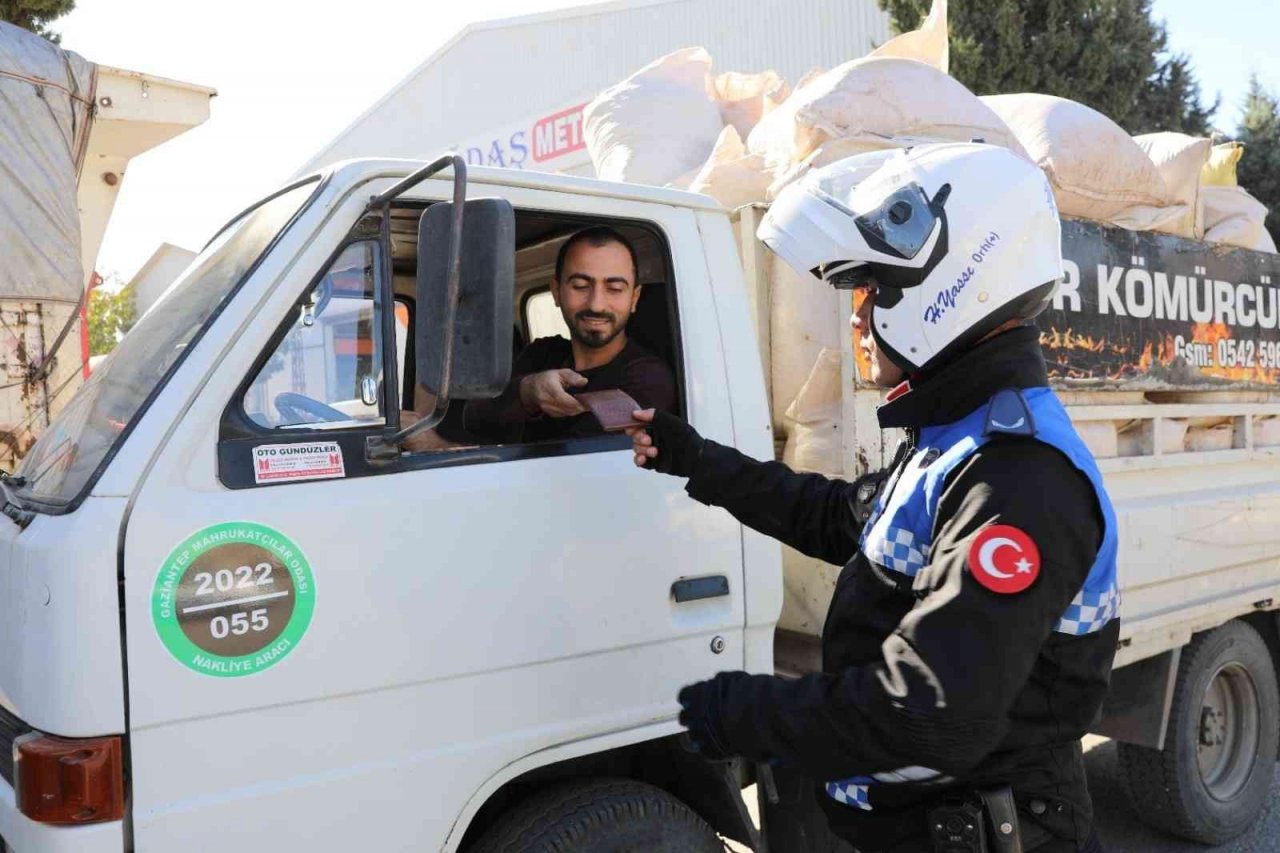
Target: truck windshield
{"x":71,"y":453}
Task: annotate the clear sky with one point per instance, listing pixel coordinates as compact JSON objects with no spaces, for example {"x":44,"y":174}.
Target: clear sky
{"x":291,"y":74}
{"x":1227,"y":40}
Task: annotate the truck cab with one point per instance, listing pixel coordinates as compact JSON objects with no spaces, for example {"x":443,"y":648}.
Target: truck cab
{"x":240,"y":617}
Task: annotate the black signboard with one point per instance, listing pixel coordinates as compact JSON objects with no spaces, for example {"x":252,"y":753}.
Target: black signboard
{"x":1159,"y":311}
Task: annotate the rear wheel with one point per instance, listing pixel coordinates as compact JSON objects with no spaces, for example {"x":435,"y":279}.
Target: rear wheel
{"x":601,"y":816}
{"x":1211,"y":780}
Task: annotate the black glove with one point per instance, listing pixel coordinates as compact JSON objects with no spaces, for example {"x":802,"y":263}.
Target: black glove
{"x":679,"y":445}
{"x":700,"y":714}
{"x":866,"y":493}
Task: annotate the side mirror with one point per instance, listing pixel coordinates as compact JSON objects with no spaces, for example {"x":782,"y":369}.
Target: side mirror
{"x":479,"y":339}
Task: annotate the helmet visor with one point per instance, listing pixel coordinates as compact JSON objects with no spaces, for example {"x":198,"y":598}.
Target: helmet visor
{"x":847,"y":275}
{"x":902,"y":222}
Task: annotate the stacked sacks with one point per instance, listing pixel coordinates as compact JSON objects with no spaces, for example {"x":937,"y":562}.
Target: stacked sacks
{"x":731,"y":175}
{"x":811,"y":320}
{"x":1096,"y":170}
{"x":673,"y":124}
{"x":1234,"y":217}
{"x":1220,"y":170}
{"x":657,"y":125}
{"x":669,"y":123}
{"x":744,"y":99}
{"x":1180,"y":159}
{"x":1231,"y":214}
{"x":929,"y":44}
{"x":1202,"y":177}
{"x":814,"y":417}
{"x":870,"y":104}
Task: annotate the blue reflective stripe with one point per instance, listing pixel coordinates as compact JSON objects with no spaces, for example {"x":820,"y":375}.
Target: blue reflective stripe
{"x":851,"y":792}
{"x":899,"y":534}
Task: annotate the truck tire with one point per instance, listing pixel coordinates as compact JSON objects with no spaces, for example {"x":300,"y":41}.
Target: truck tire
{"x":601,"y":816}
{"x":1212,"y":778}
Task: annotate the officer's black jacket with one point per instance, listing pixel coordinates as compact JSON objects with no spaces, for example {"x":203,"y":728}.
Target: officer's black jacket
{"x":935,"y":671}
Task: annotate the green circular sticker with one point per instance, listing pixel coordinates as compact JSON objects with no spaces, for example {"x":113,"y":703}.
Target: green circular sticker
{"x":233,"y":599}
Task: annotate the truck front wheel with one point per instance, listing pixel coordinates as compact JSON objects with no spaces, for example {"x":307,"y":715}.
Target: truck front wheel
{"x":1210,"y":781}
{"x":600,"y":816}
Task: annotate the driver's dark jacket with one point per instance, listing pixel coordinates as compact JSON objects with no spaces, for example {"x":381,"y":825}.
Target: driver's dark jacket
{"x":973,"y":685}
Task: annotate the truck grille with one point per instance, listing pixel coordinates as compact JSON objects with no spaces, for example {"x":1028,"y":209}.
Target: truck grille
{"x":11,"y":728}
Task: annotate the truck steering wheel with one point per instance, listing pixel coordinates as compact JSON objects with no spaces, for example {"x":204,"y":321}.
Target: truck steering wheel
{"x":299,"y":408}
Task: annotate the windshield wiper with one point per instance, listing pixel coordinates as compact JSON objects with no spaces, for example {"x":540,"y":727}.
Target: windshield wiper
{"x":13,"y":507}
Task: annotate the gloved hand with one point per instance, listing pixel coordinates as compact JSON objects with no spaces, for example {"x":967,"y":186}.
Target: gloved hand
{"x":668,"y":445}
{"x":866,"y":492}
{"x":700,"y":714}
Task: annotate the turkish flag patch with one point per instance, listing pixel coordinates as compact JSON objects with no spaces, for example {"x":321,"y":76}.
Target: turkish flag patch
{"x":1004,"y":559}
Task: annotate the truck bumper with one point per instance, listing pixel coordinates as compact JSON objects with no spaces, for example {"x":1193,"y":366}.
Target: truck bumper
{"x":23,"y":835}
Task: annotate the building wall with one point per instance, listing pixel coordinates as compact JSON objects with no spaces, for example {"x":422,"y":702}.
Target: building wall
{"x":490,"y":78}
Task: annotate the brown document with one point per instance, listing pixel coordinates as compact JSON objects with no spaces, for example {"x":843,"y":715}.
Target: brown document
{"x":612,"y":408}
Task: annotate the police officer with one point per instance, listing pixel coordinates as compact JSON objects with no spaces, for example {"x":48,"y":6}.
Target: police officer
{"x":970,"y":638}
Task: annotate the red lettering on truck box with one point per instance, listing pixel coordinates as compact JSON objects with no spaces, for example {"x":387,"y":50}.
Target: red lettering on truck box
{"x":558,"y":134}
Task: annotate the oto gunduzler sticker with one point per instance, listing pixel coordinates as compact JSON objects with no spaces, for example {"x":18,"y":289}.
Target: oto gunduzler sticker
{"x":233,"y":599}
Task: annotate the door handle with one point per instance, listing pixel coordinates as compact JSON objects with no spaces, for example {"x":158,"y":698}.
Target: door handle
{"x":695,"y":589}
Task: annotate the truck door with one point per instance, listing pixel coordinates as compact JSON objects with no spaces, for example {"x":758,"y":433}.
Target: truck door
{"x":318,"y":645}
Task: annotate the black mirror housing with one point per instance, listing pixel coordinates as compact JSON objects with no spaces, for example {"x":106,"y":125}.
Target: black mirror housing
{"x":482,"y":328}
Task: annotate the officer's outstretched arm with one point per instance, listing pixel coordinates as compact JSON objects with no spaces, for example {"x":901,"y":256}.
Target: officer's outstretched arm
{"x":813,"y":514}
{"x":939,"y":698}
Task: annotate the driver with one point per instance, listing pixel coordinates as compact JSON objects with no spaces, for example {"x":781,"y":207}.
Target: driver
{"x":596,"y":290}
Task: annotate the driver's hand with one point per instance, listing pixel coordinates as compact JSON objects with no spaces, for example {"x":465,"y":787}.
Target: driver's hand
{"x":424,"y":441}
{"x":548,"y":393}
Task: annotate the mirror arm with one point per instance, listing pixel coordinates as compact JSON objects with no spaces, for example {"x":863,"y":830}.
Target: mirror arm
{"x":438,"y":165}
{"x":380,"y":448}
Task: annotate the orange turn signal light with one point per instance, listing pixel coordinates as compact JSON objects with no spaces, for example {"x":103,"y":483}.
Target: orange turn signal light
{"x":69,"y":781}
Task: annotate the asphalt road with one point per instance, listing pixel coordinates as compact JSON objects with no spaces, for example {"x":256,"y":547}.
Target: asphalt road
{"x":1123,"y":832}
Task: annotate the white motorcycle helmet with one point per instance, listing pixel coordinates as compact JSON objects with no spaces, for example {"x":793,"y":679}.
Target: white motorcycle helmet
{"x":960,"y":238}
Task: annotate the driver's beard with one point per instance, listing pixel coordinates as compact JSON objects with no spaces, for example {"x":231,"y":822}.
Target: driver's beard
{"x":596,"y":338}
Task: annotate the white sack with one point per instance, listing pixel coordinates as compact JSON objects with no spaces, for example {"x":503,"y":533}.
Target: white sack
{"x":1265,"y":242}
{"x":876,"y":102}
{"x":1202,"y":439}
{"x":927,"y":44}
{"x":658,"y":124}
{"x":804,"y":319}
{"x":813,"y":435}
{"x":1180,"y":159}
{"x":45,"y":96}
{"x":1100,"y":437}
{"x":732,"y":176}
{"x":1234,"y":217}
{"x":1266,"y":432}
{"x":744,"y":99}
{"x":1096,"y":169}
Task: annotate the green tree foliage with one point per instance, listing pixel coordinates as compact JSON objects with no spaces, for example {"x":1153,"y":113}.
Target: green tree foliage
{"x":1108,"y":54}
{"x":111,"y":314}
{"x":1259,"y":169}
{"x":35,"y":15}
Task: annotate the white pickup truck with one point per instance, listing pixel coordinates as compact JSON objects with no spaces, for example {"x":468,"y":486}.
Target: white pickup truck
{"x":235,"y":615}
